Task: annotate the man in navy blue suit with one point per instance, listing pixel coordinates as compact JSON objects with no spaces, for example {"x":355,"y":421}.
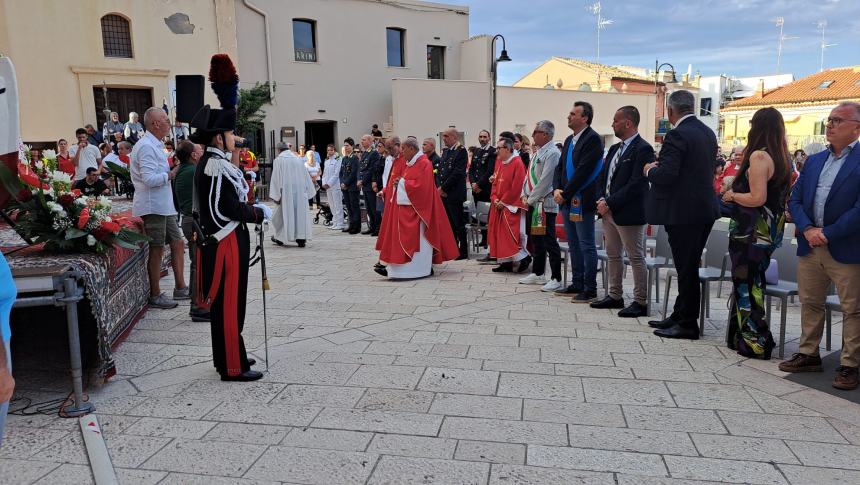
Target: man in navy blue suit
{"x":576,"y":194}
{"x":681,"y":199}
{"x":825,"y":206}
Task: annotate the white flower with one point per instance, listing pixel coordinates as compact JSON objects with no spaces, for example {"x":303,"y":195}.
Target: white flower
{"x":91,"y":241}
{"x":49,"y":154}
{"x":81,"y":201}
{"x":55,"y":207}
{"x":39,"y":164}
{"x":59,"y":176}
{"x":104,"y":201}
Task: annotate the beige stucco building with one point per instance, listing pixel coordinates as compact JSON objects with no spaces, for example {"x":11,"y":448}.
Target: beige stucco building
{"x":332,"y":61}
{"x":65,"y":52}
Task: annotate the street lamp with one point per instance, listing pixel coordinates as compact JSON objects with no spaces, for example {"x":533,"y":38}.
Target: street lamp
{"x":502,"y":58}
{"x":663,"y":120}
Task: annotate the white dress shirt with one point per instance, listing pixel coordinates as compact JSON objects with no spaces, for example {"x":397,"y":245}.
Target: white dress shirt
{"x":153,"y":193}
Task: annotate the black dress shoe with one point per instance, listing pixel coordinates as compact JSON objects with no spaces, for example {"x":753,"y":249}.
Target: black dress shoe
{"x":524,"y":264}
{"x":461,"y":257}
{"x":246,"y":376}
{"x":202,"y":316}
{"x":346,"y":229}
{"x":354,"y":231}
{"x":367,"y":232}
{"x":584,"y":297}
{"x":504,"y":268}
{"x":568,"y":291}
{"x":665,"y":323}
{"x":381,"y":270}
{"x":252,"y":362}
{"x":375,"y":233}
{"x":486,"y":259}
{"x":677,"y":331}
{"x":635,"y":309}
{"x":300,"y":242}
{"x":279,"y":243}
{"x":608,"y":302}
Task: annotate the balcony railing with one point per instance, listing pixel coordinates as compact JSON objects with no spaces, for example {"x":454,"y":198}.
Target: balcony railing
{"x":306,"y":55}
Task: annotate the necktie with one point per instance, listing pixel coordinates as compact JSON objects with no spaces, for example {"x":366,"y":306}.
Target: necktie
{"x":613,"y":166}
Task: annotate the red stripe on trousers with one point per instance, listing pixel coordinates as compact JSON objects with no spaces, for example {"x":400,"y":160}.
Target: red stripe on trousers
{"x":227,"y":264}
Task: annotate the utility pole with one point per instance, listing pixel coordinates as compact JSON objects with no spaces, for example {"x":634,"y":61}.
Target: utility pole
{"x":822,"y":25}
{"x":602,"y":22}
{"x":780,"y":22}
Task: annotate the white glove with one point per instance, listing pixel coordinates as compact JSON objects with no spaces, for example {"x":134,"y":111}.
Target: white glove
{"x":252,"y":175}
{"x":267,"y":213}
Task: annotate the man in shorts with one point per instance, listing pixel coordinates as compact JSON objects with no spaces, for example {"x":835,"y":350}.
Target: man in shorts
{"x":153,"y":202}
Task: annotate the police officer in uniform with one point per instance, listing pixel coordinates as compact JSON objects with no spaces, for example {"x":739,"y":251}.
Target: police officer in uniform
{"x":480,"y":171}
{"x":452,"y":186}
{"x":349,"y":186}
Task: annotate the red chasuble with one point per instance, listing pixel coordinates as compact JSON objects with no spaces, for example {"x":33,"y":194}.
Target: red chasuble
{"x":503,"y":233}
{"x":389,"y":199}
{"x":399,"y":240}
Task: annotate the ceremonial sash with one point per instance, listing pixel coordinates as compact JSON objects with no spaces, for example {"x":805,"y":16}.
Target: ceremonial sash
{"x":538,"y":219}
{"x":575,"y":201}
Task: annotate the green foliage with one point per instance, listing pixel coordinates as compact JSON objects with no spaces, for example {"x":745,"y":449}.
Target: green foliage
{"x":250,"y":112}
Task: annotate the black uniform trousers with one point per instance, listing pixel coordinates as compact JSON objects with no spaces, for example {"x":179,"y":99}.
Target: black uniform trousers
{"x":224,"y":338}
{"x":544,"y":245}
{"x":457,"y":219}
{"x":687,"y":242}
{"x":353,"y":208}
{"x":370,"y":208}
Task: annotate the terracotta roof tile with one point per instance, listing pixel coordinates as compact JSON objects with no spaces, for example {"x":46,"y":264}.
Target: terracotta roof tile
{"x":845,"y":85}
{"x":610,"y":71}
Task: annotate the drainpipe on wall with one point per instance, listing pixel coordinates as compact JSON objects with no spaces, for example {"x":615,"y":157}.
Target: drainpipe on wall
{"x":268,"y":47}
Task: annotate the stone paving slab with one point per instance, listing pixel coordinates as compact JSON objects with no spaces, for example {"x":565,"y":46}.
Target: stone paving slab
{"x":536,"y":390}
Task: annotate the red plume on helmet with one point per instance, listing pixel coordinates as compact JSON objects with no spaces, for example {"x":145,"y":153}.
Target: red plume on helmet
{"x":225,"y":80}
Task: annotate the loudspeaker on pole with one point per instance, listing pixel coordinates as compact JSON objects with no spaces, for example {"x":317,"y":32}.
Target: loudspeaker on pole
{"x":189,"y":96}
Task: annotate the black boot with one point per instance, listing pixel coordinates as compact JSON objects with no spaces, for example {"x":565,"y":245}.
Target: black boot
{"x":300,"y":242}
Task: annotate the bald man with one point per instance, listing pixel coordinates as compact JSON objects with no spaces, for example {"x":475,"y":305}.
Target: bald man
{"x":452,"y":186}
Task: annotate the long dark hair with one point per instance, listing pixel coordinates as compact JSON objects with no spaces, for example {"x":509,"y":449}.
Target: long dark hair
{"x":767,"y":132}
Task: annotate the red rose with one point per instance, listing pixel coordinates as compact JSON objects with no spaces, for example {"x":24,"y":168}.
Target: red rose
{"x":111,"y":227}
{"x":76,"y":192}
{"x":84,"y":218}
{"x":24,"y":195}
{"x":66,"y":200}
{"x":100,"y":233}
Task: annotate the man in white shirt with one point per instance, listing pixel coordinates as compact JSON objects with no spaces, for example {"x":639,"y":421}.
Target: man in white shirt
{"x":153,"y":202}
{"x":331,"y":184}
{"x":84,"y":155}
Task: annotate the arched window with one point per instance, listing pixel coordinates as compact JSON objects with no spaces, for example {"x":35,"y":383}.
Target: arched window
{"x":116,"y":36}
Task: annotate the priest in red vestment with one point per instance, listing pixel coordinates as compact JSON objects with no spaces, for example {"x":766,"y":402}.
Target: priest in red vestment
{"x":506,"y":226}
{"x":417,"y":234}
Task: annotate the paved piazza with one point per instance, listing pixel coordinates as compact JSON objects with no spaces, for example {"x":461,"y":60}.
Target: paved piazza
{"x":462,"y":378}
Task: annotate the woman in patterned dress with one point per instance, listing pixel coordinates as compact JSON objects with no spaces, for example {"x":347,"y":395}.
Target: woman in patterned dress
{"x":758,"y":195}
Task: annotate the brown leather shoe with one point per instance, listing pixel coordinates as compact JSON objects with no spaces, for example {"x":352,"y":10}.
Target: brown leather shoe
{"x":846,"y":378}
{"x":801,"y":363}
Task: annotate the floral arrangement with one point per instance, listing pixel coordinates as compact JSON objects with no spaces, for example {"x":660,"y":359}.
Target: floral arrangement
{"x":48,"y":210}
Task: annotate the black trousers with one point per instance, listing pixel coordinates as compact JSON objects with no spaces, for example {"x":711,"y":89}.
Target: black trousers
{"x":370,"y":207}
{"x":353,"y":207}
{"x":226,"y":338}
{"x":687,"y":242}
{"x":457,"y":219}
{"x":546,"y":245}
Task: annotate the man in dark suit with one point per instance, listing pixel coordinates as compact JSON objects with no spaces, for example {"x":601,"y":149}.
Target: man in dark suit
{"x":367,"y":169}
{"x":681,"y":199}
{"x":621,"y":192}
{"x":825,"y":206}
{"x":452,"y":186}
{"x":428,"y":147}
{"x":480,"y":171}
{"x":576,"y":194}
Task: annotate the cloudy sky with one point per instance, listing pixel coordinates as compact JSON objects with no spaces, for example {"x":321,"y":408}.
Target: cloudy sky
{"x":734,"y":37}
